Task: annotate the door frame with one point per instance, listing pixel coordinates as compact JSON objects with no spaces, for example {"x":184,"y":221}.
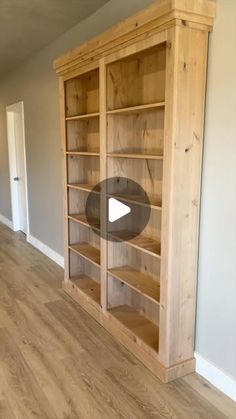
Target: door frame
{"x":14,"y":186}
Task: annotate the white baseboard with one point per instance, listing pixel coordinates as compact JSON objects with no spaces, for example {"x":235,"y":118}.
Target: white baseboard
{"x":217,"y":377}
{"x":6,"y":221}
{"x":46,"y":250}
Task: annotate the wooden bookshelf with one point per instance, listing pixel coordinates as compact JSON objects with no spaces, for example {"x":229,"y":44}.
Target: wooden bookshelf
{"x":132,"y":106}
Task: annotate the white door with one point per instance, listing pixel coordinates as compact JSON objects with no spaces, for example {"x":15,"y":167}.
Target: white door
{"x":17,"y":163}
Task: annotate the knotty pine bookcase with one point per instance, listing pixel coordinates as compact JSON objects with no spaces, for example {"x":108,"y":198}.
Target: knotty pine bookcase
{"x":132,"y":105}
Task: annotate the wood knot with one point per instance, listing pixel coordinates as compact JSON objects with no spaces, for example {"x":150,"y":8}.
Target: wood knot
{"x":188,"y":148}
{"x":196,"y":137}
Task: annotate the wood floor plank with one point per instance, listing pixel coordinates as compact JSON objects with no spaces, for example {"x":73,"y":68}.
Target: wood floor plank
{"x":68,"y":400}
{"x":223,"y":403}
{"x":115,"y":399}
{"x":91,"y":335}
{"x":6,"y":410}
{"x":26,"y":396}
{"x":31,"y":323}
{"x":57,"y":362}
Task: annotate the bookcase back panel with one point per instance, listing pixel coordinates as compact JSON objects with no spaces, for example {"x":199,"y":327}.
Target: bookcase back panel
{"x":82,"y":234}
{"x":153,"y":228}
{"x":147,"y":173}
{"x":136,"y":133}
{"x":121,"y":254}
{"x":83,"y":169}
{"x":82,"y":94}
{"x":83,"y":135}
{"x":76,"y":264}
{"x":80,"y":266}
{"x":76,"y":201}
{"x":120,"y":294}
{"x":138,"y":79}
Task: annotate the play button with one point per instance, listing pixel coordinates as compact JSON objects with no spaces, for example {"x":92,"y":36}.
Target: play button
{"x":117,"y":209}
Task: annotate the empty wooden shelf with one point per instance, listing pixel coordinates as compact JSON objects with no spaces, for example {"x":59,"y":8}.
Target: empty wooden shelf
{"x":136,"y":109}
{"x":136,"y":156}
{"x":138,"y":326}
{"x":82,"y":96}
{"x":139,"y":281}
{"x":82,"y":219}
{"x":83,"y":135}
{"x":82,"y":153}
{"x":154,"y":201}
{"x":88,"y":286}
{"x":87,"y":251}
{"x":144,"y":243}
{"x":83,"y":116}
{"x":132,"y":108}
{"x":84,"y":187}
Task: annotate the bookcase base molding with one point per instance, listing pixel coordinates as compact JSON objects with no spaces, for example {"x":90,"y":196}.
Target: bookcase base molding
{"x":132,"y":106}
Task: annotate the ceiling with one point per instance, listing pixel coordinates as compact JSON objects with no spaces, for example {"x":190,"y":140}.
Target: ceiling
{"x":28,"y":25}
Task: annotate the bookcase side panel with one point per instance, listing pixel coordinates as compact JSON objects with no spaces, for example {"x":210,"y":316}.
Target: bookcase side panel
{"x":186,"y":72}
{"x":64,"y":174}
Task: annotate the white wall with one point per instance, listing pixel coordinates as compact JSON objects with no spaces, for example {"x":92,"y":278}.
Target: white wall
{"x":216,"y":308}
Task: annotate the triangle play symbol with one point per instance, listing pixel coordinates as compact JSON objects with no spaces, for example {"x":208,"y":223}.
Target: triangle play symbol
{"x":117,"y":210}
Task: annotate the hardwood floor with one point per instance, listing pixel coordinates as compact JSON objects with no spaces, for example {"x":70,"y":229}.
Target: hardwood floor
{"x":57,"y":362}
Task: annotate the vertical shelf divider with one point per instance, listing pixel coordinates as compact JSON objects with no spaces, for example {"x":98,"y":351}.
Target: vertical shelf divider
{"x":103,"y":176}
{"x":64,"y":174}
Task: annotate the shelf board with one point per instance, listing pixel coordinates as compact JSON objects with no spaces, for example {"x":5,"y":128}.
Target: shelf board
{"x":140,"y":242}
{"x":137,"y":325}
{"x":82,"y":219}
{"x":136,"y":156}
{"x":87,"y":251}
{"x":88,"y":286}
{"x":155,"y":203}
{"x":88,"y":187}
{"x":82,"y":153}
{"x":83,"y":116}
{"x":142,"y":283}
{"x":136,"y":109}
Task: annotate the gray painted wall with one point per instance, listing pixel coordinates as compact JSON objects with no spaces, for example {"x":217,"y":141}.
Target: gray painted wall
{"x":36,"y":84}
{"x":216,"y":309}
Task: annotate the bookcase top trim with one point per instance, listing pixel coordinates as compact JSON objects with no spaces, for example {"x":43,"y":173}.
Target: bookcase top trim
{"x":161,"y":14}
